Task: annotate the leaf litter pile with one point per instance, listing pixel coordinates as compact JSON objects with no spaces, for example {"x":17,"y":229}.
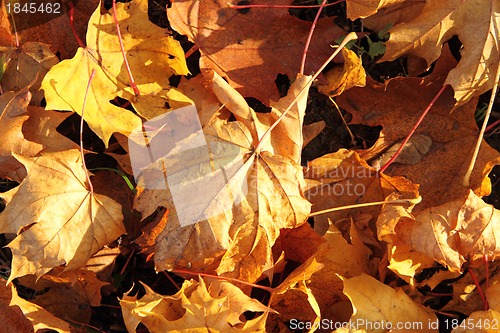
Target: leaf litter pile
{"x":191,"y":168}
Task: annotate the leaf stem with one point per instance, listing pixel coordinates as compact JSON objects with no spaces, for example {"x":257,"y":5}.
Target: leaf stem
{"x":347,"y":39}
{"x":309,"y":37}
{"x":71,"y":12}
{"x":405,"y":141}
{"x":466,"y":180}
{"x":137,"y":93}
{"x":413,"y":201}
{"x":479,"y":289}
{"x":91,"y":187}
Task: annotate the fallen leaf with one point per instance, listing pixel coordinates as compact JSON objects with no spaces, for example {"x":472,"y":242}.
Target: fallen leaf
{"x":13,"y":320}
{"x":378,"y":308}
{"x":197,"y":307}
{"x":250,"y":49}
{"x":67,"y":295}
{"x":475,"y":22}
{"x":461,"y":230}
{"x":153,"y":58}
{"x":55,"y":30}
{"x":361,"y":9}
{"x":341,"y":78}
{"x":480,"y":322}
{"x":40,"y":318}
{"x":12,"y":109}
{"x":60,"y":210}
{"x":27,"y":65}
{"x":397,"y":105}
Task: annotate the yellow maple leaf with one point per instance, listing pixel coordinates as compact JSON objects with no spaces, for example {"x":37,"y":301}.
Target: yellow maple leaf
{"x":216,"y":306}
{"x":153,"y":58}
{"x":475,"y":22}
{"x":68,"y":223}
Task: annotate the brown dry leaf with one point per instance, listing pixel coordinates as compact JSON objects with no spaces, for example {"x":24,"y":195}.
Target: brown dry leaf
{"x":374,"y":302}
{"x":389,"y":16}
{"x":67,"y":223}
{"x":248,"y":195}
{"x":27,"y":65}
{"x":364,"y":8}
{"x":341,"y":78}
{"x":251,"y":49}
{"x":67,"y":295}
{"x":40,"y":318}
{"x":56,"y":31}
{"x":397,"y":105}
{"x":293,"y":299}
{"x":13,"y":320}
{"x":41,"y":127}
{"x":12,"y":109}
{"x":465,"y":229}
{"x":299,"y":244}
{"x":341,"y":179}
{"x":6,"y":37}
{"x":475,"y":22}
{"x":339,"y":257}
{"x":153,"y":58}
{"x":150,"y":233}
{"x":198,"y":307}
{"x":247,"y":199}
{"x":466,"y":295}
{"x":480,"y":322}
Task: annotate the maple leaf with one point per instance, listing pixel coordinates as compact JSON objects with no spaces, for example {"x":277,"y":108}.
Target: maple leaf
{"x":40,"y":318}
{"x":26,"y":66}
{"x":341,"y":78}
{"x":68,"y":223}
{"x":475,"y":22}
{"x":460,"y":230}
{"x":13,"y":320}
{"x":153,"y":58}
{"x":343,"y":178}
{"x":12,"y":109}
{"x":197,"y":307}
{"x":289,"y":297}
{"x":251,"y":49}
{"x":374,"y":302}
{"x":397,"y":105}
{"x":249,"y":195}
{"x":363,"y":8}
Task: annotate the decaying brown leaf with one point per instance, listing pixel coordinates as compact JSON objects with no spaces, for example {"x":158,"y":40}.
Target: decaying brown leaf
{"x":251,"y":49}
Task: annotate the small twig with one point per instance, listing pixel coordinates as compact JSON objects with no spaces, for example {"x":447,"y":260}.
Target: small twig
{"x":347,"y":39}
{"x":171,"y":280}
{"x":353,"y":140}
{"x":71,"y":12}
{"x":466,"y":180}
{"x":309,"y":38}
{"x":122,"y":271}
{"x":91,"y":187}
{"x":137,"y":93}
{"x":405,"y":141}
{"x":368,"y":204}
